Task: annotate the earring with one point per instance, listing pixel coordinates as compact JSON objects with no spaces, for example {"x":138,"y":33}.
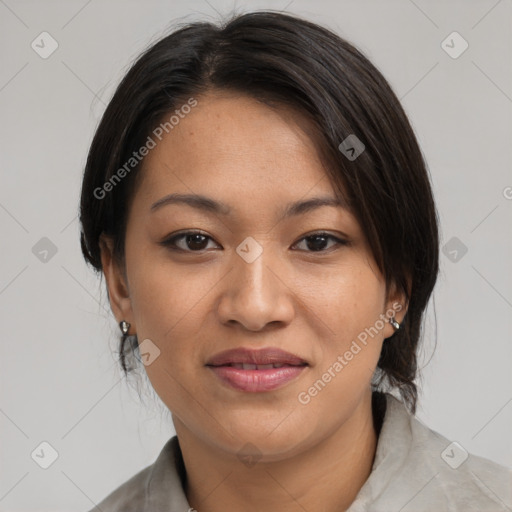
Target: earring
{"x":394,"y":323}
{"x":124,"y":326}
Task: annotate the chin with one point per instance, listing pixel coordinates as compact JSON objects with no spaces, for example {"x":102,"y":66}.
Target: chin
{"x":270,"y":440}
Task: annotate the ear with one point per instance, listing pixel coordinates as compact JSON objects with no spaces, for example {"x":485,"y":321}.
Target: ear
{"x":396,"y":307}
{"x":117,"y":286}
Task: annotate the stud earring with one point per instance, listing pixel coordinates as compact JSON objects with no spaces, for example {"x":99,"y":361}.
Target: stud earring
{"x":394,"y":323}
{"x":124,"y":326}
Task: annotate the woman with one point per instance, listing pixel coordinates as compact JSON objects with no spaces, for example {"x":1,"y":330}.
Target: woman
{"x":259,"y":206}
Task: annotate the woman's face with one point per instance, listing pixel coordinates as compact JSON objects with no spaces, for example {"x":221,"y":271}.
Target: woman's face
{"x":251,"y":279}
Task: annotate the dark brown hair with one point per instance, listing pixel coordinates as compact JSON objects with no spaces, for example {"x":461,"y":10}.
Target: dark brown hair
{"x":282,"y":59}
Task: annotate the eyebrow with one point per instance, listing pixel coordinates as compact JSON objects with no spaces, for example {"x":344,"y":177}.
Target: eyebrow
{"x":208,"y":204}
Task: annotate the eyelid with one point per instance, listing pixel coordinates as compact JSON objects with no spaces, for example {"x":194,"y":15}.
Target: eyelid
{"x":338,"y":236}
{"x":169,"y":241}
{"x":340,"y":241}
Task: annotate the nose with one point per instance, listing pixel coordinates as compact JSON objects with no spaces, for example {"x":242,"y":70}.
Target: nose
{"x":256,"y":293}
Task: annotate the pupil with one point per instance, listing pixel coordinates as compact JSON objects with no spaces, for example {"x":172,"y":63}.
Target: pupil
{"x":317,"y":247}
{"x":195,"y":239}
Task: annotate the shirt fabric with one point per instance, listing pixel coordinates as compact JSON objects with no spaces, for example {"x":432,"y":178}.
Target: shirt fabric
{"x":415,"y":470}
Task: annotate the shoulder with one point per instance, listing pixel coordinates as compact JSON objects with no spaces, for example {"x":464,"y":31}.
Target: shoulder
{"x":430,"y":471}
{"x":129,"y":496}
{"x":151,"y":487}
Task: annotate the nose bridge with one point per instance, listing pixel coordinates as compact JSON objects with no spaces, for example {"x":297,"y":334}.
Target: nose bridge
{"x":255,"y":295}
{"x":251,"y":262}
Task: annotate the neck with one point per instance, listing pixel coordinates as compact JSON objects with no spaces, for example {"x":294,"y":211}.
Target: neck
{"x":325,"y":477}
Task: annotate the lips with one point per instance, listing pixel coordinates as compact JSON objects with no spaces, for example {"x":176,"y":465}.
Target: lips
{"x":249,"y":366}
{"x":256,"y":371}
{"x":251,"y":359}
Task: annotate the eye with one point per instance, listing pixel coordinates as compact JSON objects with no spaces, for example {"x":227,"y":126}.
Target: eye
{"x":190,"y":241}
{"x":195,"y":241}
{"x":317,"y":242}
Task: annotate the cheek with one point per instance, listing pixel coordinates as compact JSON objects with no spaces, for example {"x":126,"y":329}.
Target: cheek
{"x":349,"y":304}
{"x":169,"y":308}
{"x":165,"y":297}
{"x":348,"y":300}
{"x":349,"y":355}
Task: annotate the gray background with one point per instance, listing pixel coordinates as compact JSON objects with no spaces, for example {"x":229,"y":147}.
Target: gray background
{"x":60,"y":382}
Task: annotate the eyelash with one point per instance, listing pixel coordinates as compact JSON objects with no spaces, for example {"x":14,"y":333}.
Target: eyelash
{"x":170,"y":242}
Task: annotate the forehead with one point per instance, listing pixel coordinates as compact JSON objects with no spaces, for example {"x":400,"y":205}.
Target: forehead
{"x":235,"y":142}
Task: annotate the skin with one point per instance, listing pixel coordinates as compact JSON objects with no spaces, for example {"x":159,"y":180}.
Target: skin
{"x":192,"y":305}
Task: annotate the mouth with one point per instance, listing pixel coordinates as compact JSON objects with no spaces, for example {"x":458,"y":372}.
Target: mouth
{"x":256,"y":370}
{"x":250,"y":366}
{"x":261,"y":357}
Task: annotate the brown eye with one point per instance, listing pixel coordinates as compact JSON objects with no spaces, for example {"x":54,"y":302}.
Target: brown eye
{"x":192,"y":241}
{"x":188,"y":242}
{"x":318,"y":242}
{"x":195,"y":242}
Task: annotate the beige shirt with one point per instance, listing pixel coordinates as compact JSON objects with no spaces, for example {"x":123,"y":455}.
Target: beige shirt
{"x":415,"y":470}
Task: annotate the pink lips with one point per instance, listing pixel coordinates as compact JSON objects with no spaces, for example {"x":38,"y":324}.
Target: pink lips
{"x":256,"y":370}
